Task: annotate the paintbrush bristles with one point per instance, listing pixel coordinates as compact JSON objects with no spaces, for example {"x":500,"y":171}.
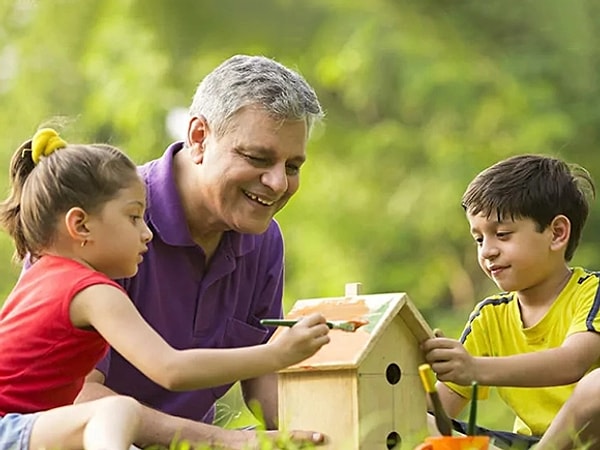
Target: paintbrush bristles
{"x":341,"y":325}
{"x":347,"y":325}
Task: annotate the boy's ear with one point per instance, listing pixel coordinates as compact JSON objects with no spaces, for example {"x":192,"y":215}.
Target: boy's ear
{"x":561,"y":231}
{"x":76,"y":221}
{"x":198,"y":130}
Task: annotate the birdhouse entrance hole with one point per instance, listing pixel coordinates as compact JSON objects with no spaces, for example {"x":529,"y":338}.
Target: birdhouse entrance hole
{"x":393,"y":373}
{"x":393,"y":440}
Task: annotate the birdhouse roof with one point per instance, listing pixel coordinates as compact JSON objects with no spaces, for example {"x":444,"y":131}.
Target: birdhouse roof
{"x":347,"y":350}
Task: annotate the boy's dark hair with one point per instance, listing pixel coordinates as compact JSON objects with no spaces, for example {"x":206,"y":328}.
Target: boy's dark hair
{"x":86,"y":176}
{"x":537,"y":187}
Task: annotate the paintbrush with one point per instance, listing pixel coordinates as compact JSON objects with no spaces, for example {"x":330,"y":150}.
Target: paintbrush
{"x":344,"y":325}
{"x":473,"y":410}
{"x":442,"y":420}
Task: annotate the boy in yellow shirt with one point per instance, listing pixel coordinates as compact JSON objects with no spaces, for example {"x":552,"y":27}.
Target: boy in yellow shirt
{"x":540,"y":336}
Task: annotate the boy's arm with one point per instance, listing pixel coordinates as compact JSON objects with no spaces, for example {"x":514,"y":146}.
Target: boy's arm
{"x":452,"y":402}
{"x":554,"y":367}
{"x":558,"y":366}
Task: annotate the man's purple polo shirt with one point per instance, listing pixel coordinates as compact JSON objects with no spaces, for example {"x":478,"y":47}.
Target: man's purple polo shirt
{"x":190,"y":304}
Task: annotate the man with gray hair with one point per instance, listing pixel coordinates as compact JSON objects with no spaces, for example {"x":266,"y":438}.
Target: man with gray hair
{"x":215,"y":265}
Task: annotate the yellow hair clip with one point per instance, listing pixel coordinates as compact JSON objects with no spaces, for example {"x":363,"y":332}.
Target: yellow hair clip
{"x":44,"y":142}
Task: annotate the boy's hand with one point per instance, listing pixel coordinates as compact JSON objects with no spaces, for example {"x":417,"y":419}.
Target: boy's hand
{"x":449,"y":360}
{"x":297,"y":343}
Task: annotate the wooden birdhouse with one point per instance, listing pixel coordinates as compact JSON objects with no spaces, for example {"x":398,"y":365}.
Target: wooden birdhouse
{"x":363,"y":388}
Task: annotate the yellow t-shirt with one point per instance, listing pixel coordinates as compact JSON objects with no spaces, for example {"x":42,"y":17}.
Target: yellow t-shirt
{"x":495,"y":329}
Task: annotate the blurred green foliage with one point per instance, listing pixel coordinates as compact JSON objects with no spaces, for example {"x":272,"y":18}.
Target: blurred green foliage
{"x":420,"y":96}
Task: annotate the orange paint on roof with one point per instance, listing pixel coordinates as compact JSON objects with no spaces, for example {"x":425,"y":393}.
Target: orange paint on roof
{"x":344,"y":346}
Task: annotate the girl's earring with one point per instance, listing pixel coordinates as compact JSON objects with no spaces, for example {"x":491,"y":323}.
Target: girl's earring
{"x":83,"y":243}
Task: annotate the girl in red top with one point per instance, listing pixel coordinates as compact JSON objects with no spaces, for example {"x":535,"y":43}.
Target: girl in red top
{"x":79,"y":214}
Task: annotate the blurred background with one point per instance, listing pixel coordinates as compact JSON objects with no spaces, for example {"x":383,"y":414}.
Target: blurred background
{"x":420,"y":96}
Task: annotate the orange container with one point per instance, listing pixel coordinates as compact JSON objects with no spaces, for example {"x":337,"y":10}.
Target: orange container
{"x":455,"y":443}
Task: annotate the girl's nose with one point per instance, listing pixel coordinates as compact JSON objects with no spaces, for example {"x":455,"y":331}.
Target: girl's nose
{"x":147,"y":234}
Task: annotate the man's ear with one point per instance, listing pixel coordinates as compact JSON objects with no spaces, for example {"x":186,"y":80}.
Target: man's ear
{"x":561,"y":232}
{"x":76,"y":221}
{"x":198,"y":130}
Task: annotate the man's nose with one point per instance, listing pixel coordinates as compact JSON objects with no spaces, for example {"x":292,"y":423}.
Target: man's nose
{"x":276,"y":178}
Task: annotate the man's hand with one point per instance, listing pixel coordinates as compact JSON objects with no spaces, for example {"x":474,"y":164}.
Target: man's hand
{"x":252,"y":439}
{"x":297,"y":437}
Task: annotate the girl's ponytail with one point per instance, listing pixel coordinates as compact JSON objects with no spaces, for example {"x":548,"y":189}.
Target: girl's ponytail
{"x":21,"y":166}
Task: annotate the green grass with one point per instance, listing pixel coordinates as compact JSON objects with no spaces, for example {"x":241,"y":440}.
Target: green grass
{"x":265,"y":443}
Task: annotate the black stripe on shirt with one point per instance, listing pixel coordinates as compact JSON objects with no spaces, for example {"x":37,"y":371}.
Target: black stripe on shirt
{"x":494,"y":301}
{"x":589,"y":321}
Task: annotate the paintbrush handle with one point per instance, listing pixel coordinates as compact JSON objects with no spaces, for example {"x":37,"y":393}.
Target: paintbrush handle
{"x":278,"y":322}
{"x":442,"y":421}
{"x":291,"y":323}
{"x":428,"y":378}
{"x":333,"y":325}
{"x":471,"y":425}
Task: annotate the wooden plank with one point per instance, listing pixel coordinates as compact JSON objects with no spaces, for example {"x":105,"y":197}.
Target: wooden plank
{"x":353,"y":289}
{"x":323,"y":401}
{"x":391,"y":368}
{"x":415,"y":321}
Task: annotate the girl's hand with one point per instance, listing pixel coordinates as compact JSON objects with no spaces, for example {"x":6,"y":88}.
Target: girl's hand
{"x":297,"y":343}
